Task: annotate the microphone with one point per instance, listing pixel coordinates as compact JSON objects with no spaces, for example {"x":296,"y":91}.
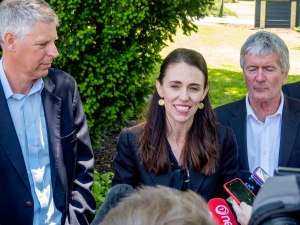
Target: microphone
{"x":220,"y":212}
{"x":245,"y":176}
{"x":114,"y":196}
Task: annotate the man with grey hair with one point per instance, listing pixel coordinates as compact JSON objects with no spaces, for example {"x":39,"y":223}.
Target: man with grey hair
{"x":266,"y":122}
{"x":46,"y":158}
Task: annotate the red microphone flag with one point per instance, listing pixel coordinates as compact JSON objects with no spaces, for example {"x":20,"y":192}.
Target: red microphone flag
{"x":220,"y":212}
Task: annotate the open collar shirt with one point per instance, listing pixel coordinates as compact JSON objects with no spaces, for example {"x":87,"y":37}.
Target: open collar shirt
{"x":263,"y":139}
{"x":28,"y":116}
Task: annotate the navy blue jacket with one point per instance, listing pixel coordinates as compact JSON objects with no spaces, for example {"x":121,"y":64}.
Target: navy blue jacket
{"x":234,"y":115}
{"x":71,"y":157}
{"x":130,"y":170}
{"x":292,"y":90}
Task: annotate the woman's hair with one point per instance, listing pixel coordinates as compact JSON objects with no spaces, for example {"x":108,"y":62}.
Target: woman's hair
{"x":201,"y":147}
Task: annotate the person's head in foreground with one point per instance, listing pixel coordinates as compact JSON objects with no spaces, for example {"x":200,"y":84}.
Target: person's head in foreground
{"x":160,"y":206}
{"x":265,"y":63}
{"x":180,"y":104}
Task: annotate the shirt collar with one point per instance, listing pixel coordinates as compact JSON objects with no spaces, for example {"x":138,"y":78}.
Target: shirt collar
{"x":37,"y":86}
{"x":250,"y":111}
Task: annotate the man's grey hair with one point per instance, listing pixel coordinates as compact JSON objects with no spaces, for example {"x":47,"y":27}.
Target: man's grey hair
{"x":19,"y":16}
{"x":161,"y":205}
{"x":263,"y":43}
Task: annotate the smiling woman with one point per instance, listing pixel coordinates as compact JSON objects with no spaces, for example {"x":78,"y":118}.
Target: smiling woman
{"x":180,"y":145}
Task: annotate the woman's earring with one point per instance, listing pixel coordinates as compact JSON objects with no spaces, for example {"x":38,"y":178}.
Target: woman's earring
{"x":201,"y":105}
{"x":161,"y":102}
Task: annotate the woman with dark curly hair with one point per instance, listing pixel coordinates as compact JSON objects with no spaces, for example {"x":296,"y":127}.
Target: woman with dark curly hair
{"x":180,"y":145}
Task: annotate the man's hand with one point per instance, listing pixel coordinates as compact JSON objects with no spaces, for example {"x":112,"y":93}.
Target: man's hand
{"x":243,"y":212}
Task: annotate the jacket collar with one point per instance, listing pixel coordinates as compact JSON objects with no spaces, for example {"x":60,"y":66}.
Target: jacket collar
{"x":289,"y":129}
{"x":8,"y":137}
{"x":238,"y":123}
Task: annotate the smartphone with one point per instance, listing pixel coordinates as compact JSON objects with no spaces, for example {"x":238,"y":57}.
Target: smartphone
{"x":239,"y":191}
{"x":285,"y":171}
{"x":260,"y":176}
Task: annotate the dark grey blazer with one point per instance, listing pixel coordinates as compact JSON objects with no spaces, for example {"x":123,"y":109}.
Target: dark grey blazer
{"x":234,"y":115}
{"x":292,"y":90}
{"x":130,"y":170}
{"x":71,"y":157}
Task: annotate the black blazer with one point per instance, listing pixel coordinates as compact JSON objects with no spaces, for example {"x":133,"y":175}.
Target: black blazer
{"x":71,"y":157}
{"x":130,"y":170}
{"x":234,"y":115}
{"x":292,"y":90}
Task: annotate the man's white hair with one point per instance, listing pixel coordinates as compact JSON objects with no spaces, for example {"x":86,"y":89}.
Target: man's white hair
{"x":19,"y":16}
{"x":263,"y":43}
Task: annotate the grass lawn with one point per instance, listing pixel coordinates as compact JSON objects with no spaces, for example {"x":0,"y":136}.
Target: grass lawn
{"x":225,"y":85}
{"x":228,"y":85}
{"x":220,"y":46}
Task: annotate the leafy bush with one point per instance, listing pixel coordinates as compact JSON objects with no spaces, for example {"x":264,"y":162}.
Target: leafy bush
{"x":111,"y":47}
{"x":297,"y":29}
{"x":102,"y":184}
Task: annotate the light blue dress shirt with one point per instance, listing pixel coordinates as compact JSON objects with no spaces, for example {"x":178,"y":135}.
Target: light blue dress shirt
{"x":28,"y":116}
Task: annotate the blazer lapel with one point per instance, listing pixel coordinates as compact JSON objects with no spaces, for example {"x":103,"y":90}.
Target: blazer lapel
{"x":238,"y":123}
{"x":289,"y":128}
{"x":52,"y":108}
{"x":196,"y":180}
{"x":9,"y":140}
{"x":161,"y":179}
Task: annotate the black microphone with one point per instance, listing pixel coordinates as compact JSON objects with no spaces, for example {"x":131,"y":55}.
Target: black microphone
{"x":245,"y":176}
{"x":114,"y":196}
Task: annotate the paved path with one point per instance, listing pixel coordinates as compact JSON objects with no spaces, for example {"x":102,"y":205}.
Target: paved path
{"x":244,"y":10}
{"x":228,"y":19}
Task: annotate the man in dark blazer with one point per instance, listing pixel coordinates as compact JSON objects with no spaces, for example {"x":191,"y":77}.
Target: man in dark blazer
{"x":266,"y":123}
{"x":292,"y":90}
{"x":46,"y":158}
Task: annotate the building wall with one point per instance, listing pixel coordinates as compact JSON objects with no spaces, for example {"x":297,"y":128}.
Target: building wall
{"x":278,"y":13}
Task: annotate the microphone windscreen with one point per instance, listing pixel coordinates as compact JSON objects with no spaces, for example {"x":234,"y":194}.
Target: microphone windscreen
{"x":115,"y":195}
{"x":245,"y":176}
{"x":221,"y":212}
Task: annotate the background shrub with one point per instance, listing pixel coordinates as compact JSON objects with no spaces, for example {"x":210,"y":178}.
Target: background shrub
{"x":102,"y":184}
{"x":111,"y":47}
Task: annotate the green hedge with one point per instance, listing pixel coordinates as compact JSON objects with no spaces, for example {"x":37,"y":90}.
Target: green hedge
{"x":111,"y":47}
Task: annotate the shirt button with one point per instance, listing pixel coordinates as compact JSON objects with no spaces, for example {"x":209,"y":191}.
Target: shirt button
{"x":29,"y":124}
{"x":25,"y":100}
{"x":43,"y":218}
{"x":28,"y":204}
{"x":32,"y":147}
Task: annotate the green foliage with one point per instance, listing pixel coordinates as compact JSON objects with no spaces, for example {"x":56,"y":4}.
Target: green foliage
{"x":297,"y":29}
{"x":102,"y":184}
{"x":112,"y":46}
{"x":214,"y":10}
